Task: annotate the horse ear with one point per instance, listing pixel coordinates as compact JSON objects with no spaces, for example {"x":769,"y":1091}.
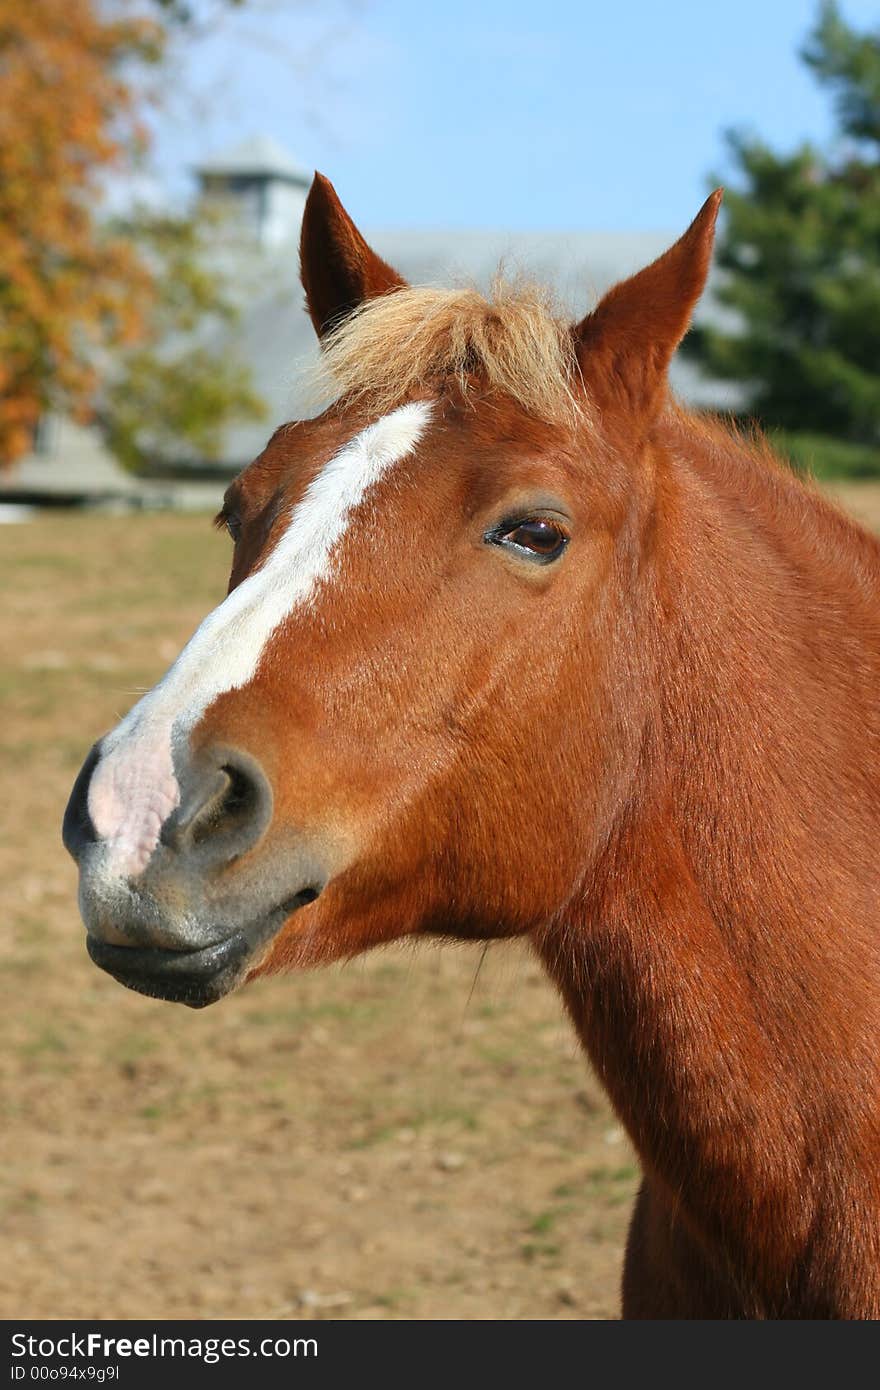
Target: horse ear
{"x":337,"y":267}
{"x":626,"y":344}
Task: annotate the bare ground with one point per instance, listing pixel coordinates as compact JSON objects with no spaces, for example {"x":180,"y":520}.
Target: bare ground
{"x":405,"y":1137}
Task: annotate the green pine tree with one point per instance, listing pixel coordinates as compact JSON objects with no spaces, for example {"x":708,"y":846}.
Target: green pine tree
{"x":800,"y":252}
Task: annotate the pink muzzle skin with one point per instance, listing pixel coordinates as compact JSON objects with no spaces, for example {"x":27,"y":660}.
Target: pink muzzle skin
{"x":132,"y":793}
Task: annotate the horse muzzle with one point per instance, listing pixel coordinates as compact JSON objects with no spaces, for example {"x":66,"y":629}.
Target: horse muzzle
{"x":187,"y":919}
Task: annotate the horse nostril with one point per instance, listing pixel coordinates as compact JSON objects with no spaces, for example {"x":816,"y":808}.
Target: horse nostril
{"x":77,"y":831}
{"x":225,"y":807}
{"x":230,"y":804}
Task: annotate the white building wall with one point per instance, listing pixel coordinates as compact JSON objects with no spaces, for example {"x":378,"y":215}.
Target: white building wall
{"x":282,"y":217}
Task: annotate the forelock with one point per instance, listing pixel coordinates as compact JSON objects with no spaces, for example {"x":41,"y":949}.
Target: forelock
{"x":511,"y":341}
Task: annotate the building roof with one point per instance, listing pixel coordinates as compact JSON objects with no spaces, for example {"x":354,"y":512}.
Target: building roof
{"x":258,"y":155}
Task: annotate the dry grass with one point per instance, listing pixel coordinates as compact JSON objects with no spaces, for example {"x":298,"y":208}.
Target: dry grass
{"x":360,"y":1142}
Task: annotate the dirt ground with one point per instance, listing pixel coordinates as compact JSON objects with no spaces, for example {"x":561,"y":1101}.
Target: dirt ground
{"x":409,"y":1136}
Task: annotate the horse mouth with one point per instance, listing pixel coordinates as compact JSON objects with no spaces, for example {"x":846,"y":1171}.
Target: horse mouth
{"x":195,"y":978}
{"x":198,"y":977}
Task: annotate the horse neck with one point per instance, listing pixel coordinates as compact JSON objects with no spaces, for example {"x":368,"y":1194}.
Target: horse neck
{"x":722,"y":963}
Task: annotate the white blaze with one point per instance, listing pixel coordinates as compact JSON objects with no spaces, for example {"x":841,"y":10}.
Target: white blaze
{"x":134,"y":789}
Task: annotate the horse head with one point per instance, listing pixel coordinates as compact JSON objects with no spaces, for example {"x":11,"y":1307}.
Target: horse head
{"x":418,"y":708}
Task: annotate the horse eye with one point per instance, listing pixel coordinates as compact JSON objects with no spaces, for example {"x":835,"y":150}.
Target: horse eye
{"x":233,"y":526}
{"x":540,"y":537}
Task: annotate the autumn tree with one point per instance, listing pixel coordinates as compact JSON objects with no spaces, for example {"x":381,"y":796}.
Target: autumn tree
{"x":66,"y":121}
{"x":800,"y":255}
{"x":80,"y":297}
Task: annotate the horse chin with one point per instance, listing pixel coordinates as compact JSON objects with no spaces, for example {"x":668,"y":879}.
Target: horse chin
{"x":195,"y":978}
{"x":200,"y":976}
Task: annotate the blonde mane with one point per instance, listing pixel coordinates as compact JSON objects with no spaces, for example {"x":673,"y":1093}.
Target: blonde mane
{"x":511,"y":341}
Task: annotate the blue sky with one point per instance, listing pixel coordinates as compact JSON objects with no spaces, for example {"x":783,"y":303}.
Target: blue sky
{"x":548,"y":115}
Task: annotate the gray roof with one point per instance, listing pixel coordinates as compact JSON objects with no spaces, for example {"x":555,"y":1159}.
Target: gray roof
{"x":257,"y":155}
{"x":275,"y":336}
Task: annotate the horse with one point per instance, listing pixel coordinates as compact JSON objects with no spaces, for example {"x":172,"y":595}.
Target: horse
{"x":514,"y":645}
